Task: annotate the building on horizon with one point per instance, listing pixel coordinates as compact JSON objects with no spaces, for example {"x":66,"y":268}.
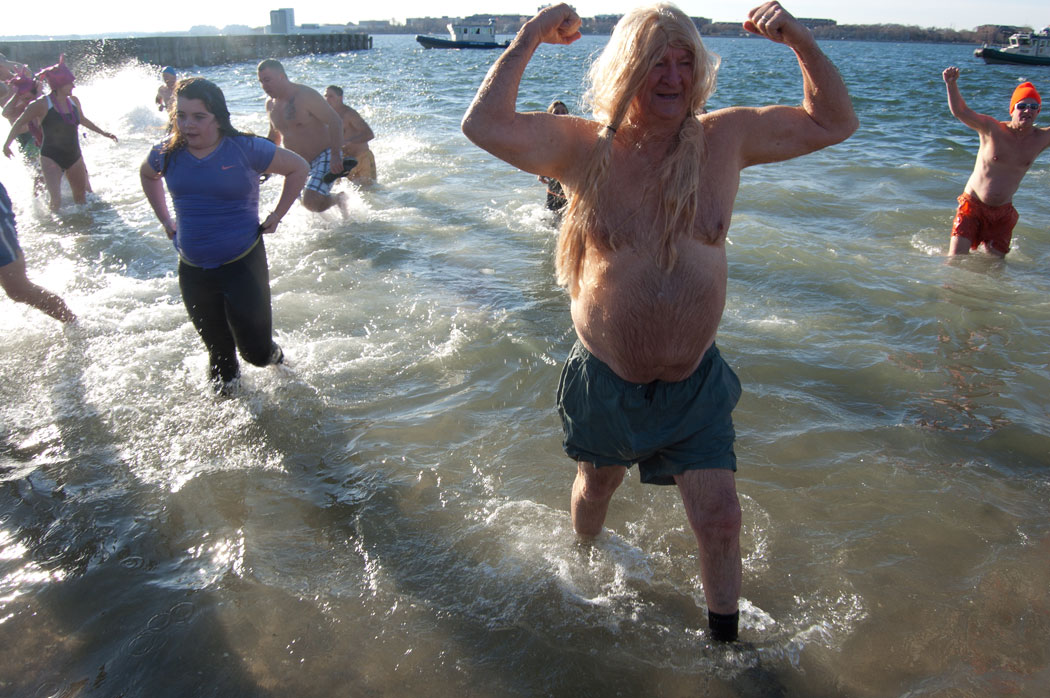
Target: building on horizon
{"x":324,"y":29}
{"x":428,"y":25}
{"x":505,"y":24}
{"x":375,"y":25}
{"x":282,"y":21}
{"x":599,"y":24}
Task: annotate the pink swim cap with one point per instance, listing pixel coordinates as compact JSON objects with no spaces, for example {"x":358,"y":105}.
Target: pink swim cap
{"x":23,"y":83}
{"x":58,"y":75}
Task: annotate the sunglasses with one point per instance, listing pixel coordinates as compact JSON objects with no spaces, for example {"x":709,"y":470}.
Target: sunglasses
{"x":1034,"y":106}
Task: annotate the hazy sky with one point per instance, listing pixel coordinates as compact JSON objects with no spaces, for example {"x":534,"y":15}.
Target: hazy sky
{"x":56,"y":17}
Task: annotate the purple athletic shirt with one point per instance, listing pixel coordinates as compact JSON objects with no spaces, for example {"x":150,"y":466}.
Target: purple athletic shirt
{"x":216,"y":198}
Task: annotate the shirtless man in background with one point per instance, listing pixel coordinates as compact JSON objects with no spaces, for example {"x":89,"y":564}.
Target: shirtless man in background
{"x":651,"y":183}
{"x":307,"y":125}
{"x":166,"y":89}
{"x":986,"y":215}
{"x":356,"y":134}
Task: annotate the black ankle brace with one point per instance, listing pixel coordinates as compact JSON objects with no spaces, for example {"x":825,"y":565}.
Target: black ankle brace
{"x":723,"y":626}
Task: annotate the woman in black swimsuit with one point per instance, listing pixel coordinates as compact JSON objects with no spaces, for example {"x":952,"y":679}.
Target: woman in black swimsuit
{"x":60,"y":116}
{"x":555,"y":195}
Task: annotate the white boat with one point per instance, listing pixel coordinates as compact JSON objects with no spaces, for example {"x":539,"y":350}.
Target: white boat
{"x":1024,"y":48}
{"x":465,"y":36}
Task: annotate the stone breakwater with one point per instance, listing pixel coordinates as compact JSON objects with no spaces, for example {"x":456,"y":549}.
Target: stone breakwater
{"x":180,"y":51}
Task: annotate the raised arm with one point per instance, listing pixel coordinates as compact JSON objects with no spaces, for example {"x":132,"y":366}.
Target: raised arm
{"x":530,"y":141}
{"x":826,"y":115}
{"x":960,"y":110}
{"x":295,"y":171}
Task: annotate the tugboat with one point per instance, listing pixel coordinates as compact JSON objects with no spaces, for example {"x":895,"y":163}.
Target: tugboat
{"x":465,"y":36}
{"x":1024,"y":48}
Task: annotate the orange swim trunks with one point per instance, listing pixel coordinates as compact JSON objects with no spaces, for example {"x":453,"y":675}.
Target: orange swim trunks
{"x":978,"y":222}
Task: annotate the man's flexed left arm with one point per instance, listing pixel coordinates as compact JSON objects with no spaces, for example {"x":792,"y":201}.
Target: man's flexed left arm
{"x":826,"y":100}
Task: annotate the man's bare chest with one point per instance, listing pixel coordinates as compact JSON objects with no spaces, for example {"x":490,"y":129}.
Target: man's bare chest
{"x":1007,"y":149}
{"x":637,"y":208}
{"x":286,"y":115}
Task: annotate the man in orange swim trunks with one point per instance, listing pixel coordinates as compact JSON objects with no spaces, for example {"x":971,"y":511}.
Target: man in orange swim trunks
{"x":986,"y":215}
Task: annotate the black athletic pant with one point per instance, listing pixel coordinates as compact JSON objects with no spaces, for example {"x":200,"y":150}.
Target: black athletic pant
{"x":230,"y":307}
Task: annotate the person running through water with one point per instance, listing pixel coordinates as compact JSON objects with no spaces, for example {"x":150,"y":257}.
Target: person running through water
{"x":642,"y":251}
{"x":60,"y":116}
{"x":167,"y":89}
{"x":356,"y":134}
{"x":212,"y":172}
{"x":302,"y":121}
{"x":25,"y":89}
{"x":13,"y":277}
{"x":8,"y":70}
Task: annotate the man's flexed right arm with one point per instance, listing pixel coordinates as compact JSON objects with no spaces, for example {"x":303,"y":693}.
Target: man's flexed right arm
{"x":957,"y":105}
{"x":493,"y":122}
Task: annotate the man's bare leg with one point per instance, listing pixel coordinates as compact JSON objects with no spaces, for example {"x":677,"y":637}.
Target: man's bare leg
{"x":313,"y":201}
{"x":20,"y":289}
{"x":713,"y":510}
{"x":959,"y":245}
{"x":591,"y":493}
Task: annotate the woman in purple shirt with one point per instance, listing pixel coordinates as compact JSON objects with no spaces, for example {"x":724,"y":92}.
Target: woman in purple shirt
{"x":212,"y":172}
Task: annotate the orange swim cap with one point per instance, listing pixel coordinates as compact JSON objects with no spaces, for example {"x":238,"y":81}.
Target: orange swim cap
{"x":1023,"y":91}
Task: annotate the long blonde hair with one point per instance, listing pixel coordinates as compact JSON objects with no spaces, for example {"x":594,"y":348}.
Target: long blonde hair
{"x":638,"y":43}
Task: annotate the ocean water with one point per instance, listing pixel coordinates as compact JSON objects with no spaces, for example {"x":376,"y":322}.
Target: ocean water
{"x":389,"y":517}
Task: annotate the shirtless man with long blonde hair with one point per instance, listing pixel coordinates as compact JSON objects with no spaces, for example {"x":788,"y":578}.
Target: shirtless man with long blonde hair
{"x":651,"y":182}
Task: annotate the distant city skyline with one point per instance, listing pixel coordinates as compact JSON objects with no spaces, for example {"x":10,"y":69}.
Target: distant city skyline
{"x":64,"y":17}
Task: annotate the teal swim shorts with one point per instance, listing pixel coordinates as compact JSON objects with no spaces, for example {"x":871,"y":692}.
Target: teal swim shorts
{"x":666,"y":428}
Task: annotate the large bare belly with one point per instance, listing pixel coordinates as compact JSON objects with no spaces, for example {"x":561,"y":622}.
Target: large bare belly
{"x":647,"y":324}
{"x":308,"y":142}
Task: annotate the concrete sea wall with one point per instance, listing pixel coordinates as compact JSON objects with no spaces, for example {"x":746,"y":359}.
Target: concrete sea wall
{"x":179,"y":51}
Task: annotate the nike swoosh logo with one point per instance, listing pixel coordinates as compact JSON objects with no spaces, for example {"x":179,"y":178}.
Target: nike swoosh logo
{"x":228,"y":167}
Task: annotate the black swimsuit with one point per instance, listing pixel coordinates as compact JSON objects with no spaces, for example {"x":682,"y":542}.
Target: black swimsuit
{"x":555,"y":196}
{"x":61,"y":141}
